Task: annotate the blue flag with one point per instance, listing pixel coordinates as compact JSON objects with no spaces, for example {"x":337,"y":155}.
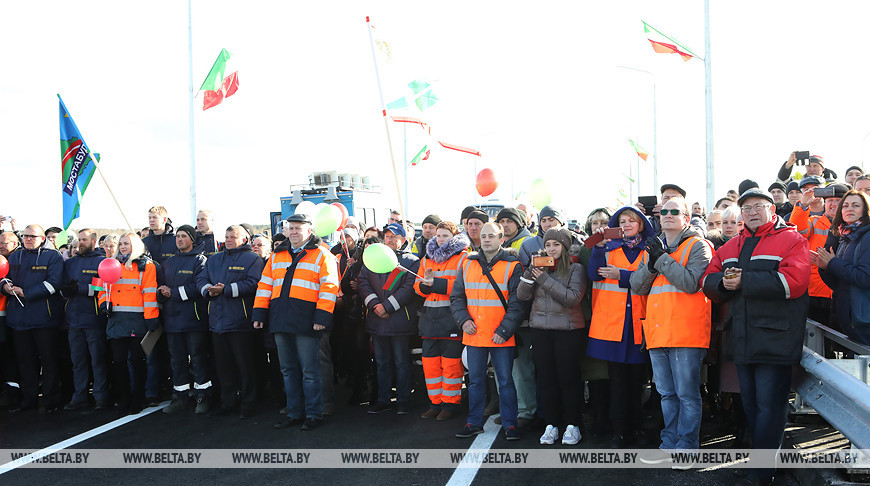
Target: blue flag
{"x":77,"y":166}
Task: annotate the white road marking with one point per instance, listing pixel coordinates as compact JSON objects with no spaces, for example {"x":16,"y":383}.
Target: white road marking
{"x":464,"y":474}
{"x":9,"y":466}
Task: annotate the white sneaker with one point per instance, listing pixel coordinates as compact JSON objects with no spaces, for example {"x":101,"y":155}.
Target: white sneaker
{"x":550,"y":435}
{"x":571,"y":436}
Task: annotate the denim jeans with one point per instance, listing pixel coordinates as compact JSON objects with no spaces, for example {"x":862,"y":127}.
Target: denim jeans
{"x":303,"y":381}
{"x":182,"y":345}
{"x":87,"y":349}
{"x":502,"y":362}
{"x":393,"y":352}
{"x":677,"y":373}
{"x":764,"y":394}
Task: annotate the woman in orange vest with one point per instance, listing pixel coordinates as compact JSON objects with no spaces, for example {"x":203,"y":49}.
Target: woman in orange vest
{"x":131,"y":305}
{"x":615,"y":331}
{"x":442,"y":336}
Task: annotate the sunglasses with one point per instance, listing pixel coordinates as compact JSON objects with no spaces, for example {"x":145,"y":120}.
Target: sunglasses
{"x":675,"y":212}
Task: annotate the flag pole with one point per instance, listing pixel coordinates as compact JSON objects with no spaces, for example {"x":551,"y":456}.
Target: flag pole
{"x":190,"y":136}
{"x":708,"y":107}
{"x":99,"y":171}
{"x":386,"y":120}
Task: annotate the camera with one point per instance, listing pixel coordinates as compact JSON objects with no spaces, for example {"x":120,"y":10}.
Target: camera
{"x":802,"y":157}
{"x":648,"y":203}
{"x":823,"y":192}
{"x":543,"y":261}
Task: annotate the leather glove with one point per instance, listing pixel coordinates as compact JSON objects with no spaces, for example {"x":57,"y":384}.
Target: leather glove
{"x":70,"y":288}
{"x":655,"y":248}
{"x":105,"y":310}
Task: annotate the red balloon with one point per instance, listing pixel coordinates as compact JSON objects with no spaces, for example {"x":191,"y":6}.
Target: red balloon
{"x":486,"y":183}
{"x":4,"y":266}
{"x":109,"y":270}
{"x":344,"y":215}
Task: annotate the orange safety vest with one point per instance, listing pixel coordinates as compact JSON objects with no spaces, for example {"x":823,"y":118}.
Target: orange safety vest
{"x":448,"y":270}
{"x":3,"y":306}
{"x":609,"y":301}
{"x":675,"y":319}
{"x":815,"y":229}
{"x":134,"y":292}
{"x":484,"y":306}
{"x":315,"y":278}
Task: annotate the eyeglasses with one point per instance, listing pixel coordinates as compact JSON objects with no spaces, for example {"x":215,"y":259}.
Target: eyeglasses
{"x":675,"y":212}
{"x":31,"y":236}
{"x":757,"y":208}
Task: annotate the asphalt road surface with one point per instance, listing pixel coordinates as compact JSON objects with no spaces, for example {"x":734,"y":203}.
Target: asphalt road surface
{"x":351,"y":428}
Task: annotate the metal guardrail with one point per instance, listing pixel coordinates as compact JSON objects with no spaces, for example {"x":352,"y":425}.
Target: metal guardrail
{"x":837,"y":395}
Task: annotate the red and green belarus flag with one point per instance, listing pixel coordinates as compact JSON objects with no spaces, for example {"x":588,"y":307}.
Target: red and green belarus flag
{"x":640,"y":150}
{"x":218,"y":84}
{"x":672,"y":47}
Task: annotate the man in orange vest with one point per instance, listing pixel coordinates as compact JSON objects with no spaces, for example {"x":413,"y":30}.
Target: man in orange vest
{"x":485,"y":304}
{"x":296,"y":296}
{"x":677,"y":325}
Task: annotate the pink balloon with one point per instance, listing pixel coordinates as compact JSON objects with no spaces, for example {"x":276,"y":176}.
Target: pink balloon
{"x":344,"y":215}
{"x":4,"y":266}
{"x":109,"y":270}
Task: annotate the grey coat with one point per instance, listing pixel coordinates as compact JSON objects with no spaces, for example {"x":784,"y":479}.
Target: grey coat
{"x":686,"y":279}
{"x":555,"y":299}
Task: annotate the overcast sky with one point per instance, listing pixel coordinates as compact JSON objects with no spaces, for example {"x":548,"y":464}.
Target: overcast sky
{"x":536,"y":89}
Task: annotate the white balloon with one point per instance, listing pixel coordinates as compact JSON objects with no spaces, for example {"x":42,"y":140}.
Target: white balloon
{"x":307,"y":208}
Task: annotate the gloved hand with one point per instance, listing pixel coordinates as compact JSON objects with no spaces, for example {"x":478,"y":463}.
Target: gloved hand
{"x":152,"y":324}
{"x":105,"y":310}
{"x":655,"y":248}
{"x":70,"y":288}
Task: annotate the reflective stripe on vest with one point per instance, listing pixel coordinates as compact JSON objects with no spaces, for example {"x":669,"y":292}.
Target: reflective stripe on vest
{"x":483,"y":303}
{"x":314,"y":279}
{"x":609,"y":302}
{"x":447,"y":270}
{"x":819,"y":228}
{"x":675,"y":318}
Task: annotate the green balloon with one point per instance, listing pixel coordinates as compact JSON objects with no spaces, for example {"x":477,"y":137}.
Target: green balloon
{"x":327,"y":221}
{"x":380,"y":258}
{"x":539,"y":194}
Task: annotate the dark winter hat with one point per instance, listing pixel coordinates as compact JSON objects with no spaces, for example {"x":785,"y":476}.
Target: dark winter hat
{"x":674,"y":187}
{"x":746,"y":185}
{"x":249,"y":229}
{"x":396,"y":229}
{"x":754,"y":192}
{"x":777,"y":185}
{"x":562,"y":235}
{"x":432,"y":219}
{"x":551,"y":212}
{"x":279,"y":237}
{"x":467,"y":211}
{"x":854,"y":167}
{"x":792,"y":186}
{"x":807,"y":180}
{"x":478,"y":214}
{"x":513,"y":214}
{"x":840,"y":189}
{"x":299,"y":218}
{"x":186,"y":228}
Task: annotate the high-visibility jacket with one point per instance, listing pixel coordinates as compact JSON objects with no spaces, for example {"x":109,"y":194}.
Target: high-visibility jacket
{"x":436,"y":319}
{"x":815,"y":229}
{"x":609,"y":301}
{"x":307,"y":298}
{"x":676,"y":319}
{"x":474,"y":298}
{"x":132,"y":301}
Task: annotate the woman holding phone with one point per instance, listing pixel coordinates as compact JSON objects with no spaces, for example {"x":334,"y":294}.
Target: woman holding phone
{"x":615,"y":333}
{"x":556,"y":321}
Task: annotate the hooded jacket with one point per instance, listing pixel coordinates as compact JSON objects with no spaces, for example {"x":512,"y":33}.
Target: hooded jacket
{"x":39,"y":273}
{"x":436,"y":320}
{"x":420,"y":246}
{"x":599,"y":254}
{"x":767,"y":316}
{"x":239,"y":270}
{"x":209,"y":244}
{"x":185,"y":310}
{"x":161,"y":246}
{"x":555,"y":299}
{"x":83,"y":308}
{"x":849,"y":275}
{"x":517,"y":241}
{"x":397,"y":295}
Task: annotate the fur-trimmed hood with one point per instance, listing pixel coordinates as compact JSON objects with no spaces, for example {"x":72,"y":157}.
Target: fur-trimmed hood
{"x":441,"y":254}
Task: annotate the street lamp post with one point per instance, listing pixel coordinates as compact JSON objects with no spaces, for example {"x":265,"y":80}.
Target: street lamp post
{"x":655,"y":140}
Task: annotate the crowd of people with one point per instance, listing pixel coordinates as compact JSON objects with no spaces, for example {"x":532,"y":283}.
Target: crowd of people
{"x":531,"y":315}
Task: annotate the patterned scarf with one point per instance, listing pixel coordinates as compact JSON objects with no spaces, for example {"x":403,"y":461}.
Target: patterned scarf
{"x":633,"y":241}
{"x":848,"y":229}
